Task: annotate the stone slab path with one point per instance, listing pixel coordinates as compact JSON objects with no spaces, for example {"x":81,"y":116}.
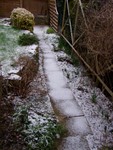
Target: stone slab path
{"x":64,"y":104}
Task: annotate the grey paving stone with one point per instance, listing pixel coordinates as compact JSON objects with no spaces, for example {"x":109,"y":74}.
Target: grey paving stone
{"x":78,"y":126}
{"x":49,"y":56}
{"x":50,"y":65}
{"x":61,"y":94}
{"x":68,"y":108}
{"x":56,"y":80}
{"x":74,"y":143}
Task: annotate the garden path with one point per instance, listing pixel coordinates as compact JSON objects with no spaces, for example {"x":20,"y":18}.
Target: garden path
{"x":64,"y":104}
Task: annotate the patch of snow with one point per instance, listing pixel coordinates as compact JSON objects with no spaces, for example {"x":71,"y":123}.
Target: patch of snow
{"x":56,"y":79}
{"x":61,"y":94}
{"x":14,"y":77}
{"x":78,"y":126}
{"x":14,"y":70}
{"x":27,"y":50}
{"x":5,"y":21}
{"x":7,"y":68}
{"x":50,"y":65}
{"x":69,"y":108}
{"x":7,"y":64}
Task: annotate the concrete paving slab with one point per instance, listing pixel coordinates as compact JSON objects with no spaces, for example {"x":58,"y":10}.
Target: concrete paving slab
{"x":69,"y":108}
{"x":61,"y":94}
{"x":56,"y":80}
{"x":46,"y":51}
{"x":50,"y":65}
{"x":50,"y":61}
{"x":49,"y":56}
{"x":78,"y":126}
{"x":45,"y":47}
{"x":74,"y":143}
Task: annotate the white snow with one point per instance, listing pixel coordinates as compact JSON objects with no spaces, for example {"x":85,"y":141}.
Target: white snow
{"x":61,"y":94}
{"x":78,"y":126}
{"x":99,"y":115}
{"x":14,"y":77}
{"x":7,"y":64}
{"x":56,"y":79}
{"x":5,"y":21}
{"x":72,"y":109}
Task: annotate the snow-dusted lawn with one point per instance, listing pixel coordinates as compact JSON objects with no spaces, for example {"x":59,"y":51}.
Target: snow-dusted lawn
{"x":10,"y":51}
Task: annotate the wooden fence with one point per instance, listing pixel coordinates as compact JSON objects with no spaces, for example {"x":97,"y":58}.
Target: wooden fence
{"x":70,"y":38}
{"x":37,"y":7}
{"x":53,"y":14}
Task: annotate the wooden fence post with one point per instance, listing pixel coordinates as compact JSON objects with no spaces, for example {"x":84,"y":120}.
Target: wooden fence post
{"x":21,"y":3}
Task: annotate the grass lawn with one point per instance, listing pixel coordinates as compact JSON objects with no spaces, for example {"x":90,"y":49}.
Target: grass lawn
{"x":8,"y":42}
{"x":10,"y":50}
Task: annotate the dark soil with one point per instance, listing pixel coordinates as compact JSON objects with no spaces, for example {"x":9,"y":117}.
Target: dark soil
{"x":9,"y":138}
{"x":31,"y":90}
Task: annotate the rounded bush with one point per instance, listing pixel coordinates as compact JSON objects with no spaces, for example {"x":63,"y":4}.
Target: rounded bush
{"x":27,"y":39}
{"x":22,"y":19}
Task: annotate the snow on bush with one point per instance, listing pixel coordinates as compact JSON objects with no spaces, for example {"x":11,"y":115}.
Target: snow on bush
{"x":22,"y":19}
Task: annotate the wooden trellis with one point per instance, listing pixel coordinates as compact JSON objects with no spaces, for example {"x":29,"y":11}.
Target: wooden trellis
{"x":72,"y":39}
{"x":53,"y":14}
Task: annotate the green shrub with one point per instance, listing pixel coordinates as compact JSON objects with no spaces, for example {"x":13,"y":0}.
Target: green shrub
{"x":22,"y":19}
{"x":39,"y":136}
{"x":50,"y":31}
{"x":20,"y":118}
{"x":27,"y":39}
{"x":63,"y":45}
{"x":94,"y":98}
{"x":43,"y":136}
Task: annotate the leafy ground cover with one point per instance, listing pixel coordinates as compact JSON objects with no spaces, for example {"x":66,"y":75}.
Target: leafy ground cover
{"x":23,"y":127}
{"x":38,"y":136}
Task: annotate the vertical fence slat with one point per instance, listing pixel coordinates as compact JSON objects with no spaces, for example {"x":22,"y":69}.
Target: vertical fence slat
{"x":53,"y":14}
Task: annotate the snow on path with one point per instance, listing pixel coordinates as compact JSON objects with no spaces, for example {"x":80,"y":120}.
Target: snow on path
{"x":99,"y":114}
{"x":62,"y":97}
{"x":70,"y":105}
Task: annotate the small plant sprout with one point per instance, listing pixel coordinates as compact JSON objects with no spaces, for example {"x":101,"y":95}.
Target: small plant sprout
{"x":50,"y":31}
{"x":68,"y":76}
{"x":94,"y":98}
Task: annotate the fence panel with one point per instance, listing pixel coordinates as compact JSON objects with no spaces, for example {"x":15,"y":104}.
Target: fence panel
{"x":6,"y":6}
{"x":37,"y":7}
{"x":53,"y":14}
